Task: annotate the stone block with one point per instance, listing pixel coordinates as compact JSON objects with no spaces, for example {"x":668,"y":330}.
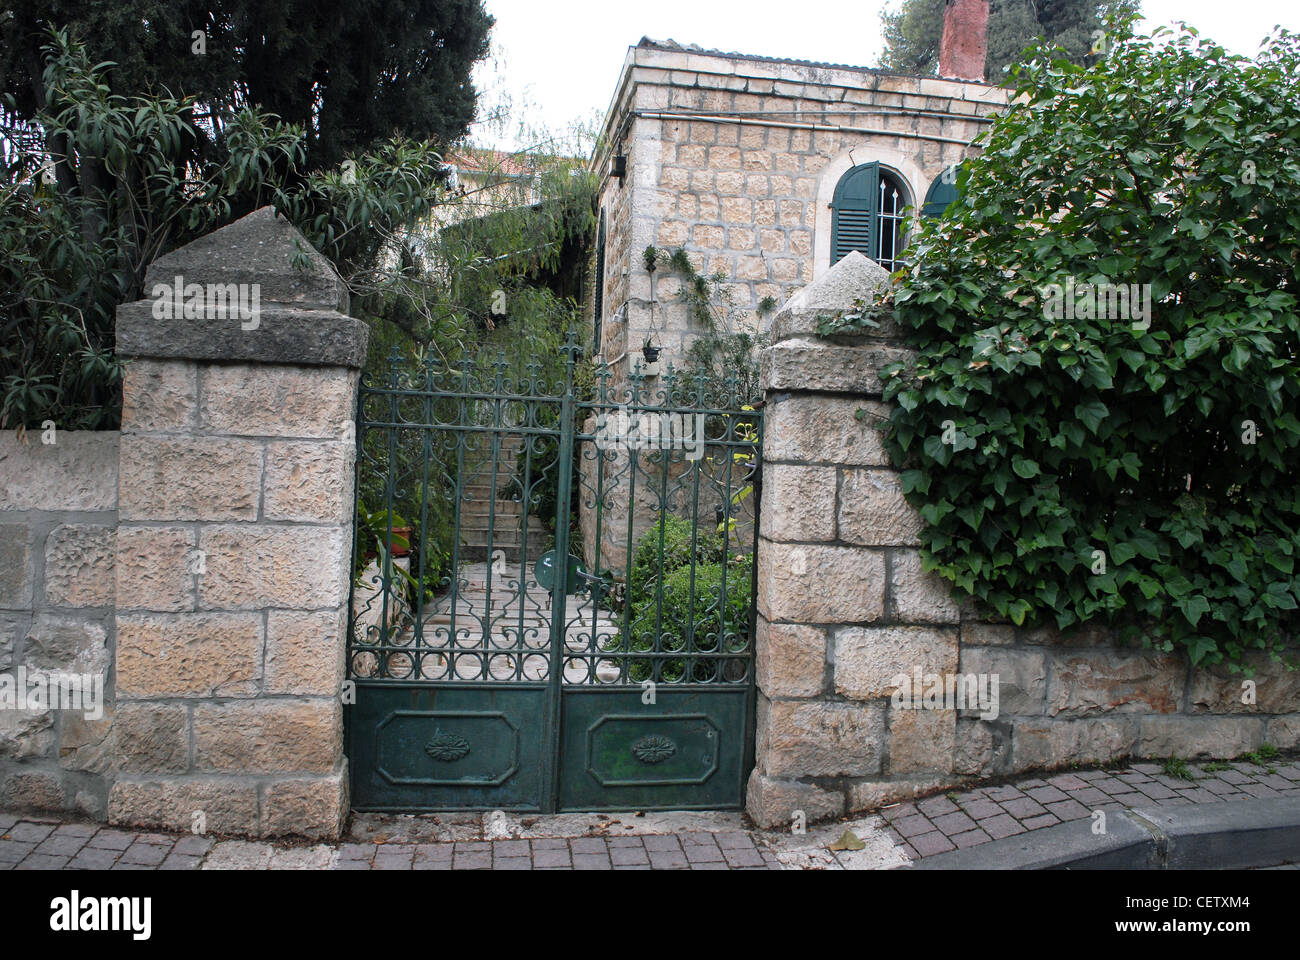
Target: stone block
{"x":819,"y":429}
{"x":32,"y":791}
{"x":976,"y":633}
{"x":67,"y":644}
{"x":189,"y":655}
{"x":76,"y":472}
{"x":26,"y":733}
{"x":79,"y":566}
{"x":87,"y":744}
{"x":917,"y":596}
{"x":775,"y":804}
{"x":869,"y":795}
{"x":1284,"y":732}
{"x":808,"y":364}
{"x":226,"y":806}
{"x":853,"y":278}
{"x":873,"y":511}
{"x":309,"y":482}
{"x":868,"y":659}
{"x":820,"y":584}
{"x":264,"y":400}
{"x":798,"y":503}
{"x":160,"y":396}
{"x":297,"y":567}
{"x":189,"y":478}
{"x":790,"y":659}
{"x":305,"y":652}
{"x":1022,"y":677}
{"x":1093,"y":683}
{"x":815,"y":738}
{"x":1199,"y":737}
{"x":981,"y":748}
{"x":154,"y":567}
{"x":269,"y":736}
{"x":1049,"y":744}
{"x":1217,"y":690}
{"x":316,"y":808}
{"x":152,"y":738}
{"x":1085,"y":635}
{"x":261,"y":248}
{"x":921,"y":741}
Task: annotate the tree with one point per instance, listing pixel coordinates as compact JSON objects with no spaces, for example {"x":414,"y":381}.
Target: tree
{"x":912,"y":32}
{"x":348,"y":72}
{"x":1080,"y":454}
{"x":68,"y":257}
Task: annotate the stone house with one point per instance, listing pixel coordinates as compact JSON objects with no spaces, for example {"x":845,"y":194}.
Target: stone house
{"x":766,"y":171}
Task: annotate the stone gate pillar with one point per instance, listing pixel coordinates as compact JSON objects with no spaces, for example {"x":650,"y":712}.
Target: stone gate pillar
{"x":234,"y":537}
{"x":843,"y":605}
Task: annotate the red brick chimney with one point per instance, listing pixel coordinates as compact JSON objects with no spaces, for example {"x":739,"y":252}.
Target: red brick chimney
{"x":965,"y":40}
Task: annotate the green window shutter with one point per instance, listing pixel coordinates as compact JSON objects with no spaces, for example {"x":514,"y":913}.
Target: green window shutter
{"x":941,"y":194}
{"x":854,"y":210}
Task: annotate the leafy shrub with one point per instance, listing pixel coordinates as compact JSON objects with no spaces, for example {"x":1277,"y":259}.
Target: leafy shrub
{"x":684,"y":604}
{"x":1108,"y":468}
{"x":681,"y":541}
{"x":699,"y":614}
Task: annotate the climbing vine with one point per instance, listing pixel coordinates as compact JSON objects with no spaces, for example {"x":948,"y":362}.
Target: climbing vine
{"x":1082,"y":455}
{"x":722,"y":364}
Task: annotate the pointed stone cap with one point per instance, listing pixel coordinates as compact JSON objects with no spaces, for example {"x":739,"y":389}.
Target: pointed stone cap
{"x":300,"y":314}
{"x":261,"y":248}
{"x":853,"y":278}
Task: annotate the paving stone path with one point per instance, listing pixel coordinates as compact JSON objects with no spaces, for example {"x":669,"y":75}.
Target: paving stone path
{"x":893,"y":837}
{"x":35,"y":843}
{"x":956,"y":820}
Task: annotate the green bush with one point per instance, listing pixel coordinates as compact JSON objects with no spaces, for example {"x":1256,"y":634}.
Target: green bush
{"x":1108,"y":468}
{"x":681,"y":541}
{"x":685,"y":605}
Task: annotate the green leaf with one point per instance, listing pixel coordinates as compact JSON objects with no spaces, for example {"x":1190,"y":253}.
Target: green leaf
{"x":1024,"y":467}
{"x":1092,"y":414}
{"x":1193,"y":607}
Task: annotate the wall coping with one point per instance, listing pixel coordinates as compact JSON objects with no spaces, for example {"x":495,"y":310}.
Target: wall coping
{"x":299,"y":315}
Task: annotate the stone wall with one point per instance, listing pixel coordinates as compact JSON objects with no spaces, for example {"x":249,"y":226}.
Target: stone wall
{"x":844,"y":609}
{"x":58,"y":510}
{"x":201,"y":560}
{"x":735,"y":159}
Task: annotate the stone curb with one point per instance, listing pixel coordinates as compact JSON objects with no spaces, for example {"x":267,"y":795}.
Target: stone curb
{"x":1200,"y":836}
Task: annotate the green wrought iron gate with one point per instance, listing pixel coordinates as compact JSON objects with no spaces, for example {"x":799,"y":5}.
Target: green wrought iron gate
{"x":498,"y":663}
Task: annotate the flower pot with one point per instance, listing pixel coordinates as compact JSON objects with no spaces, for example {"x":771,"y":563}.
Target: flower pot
{"x":651,"y":354}
{"x":401,"y":541}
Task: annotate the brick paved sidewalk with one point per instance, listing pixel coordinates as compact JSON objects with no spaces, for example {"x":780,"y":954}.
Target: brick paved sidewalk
{"x":892,"y":837}
{"x":963,"y":819}
{"x":41,"y":844}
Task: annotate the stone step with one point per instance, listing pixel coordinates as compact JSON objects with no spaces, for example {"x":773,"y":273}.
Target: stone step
{"x":503,"y":532}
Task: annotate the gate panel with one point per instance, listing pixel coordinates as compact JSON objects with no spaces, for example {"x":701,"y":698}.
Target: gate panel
{"x":446,"y":747}
{"x":450,"y":640}
{"x":663,"y":717}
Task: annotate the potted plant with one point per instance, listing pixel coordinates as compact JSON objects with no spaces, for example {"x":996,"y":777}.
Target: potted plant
{"x":650,"y":352}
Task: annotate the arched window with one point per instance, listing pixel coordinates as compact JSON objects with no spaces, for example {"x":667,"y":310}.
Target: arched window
{"x":867,"y":215}
{"x":599,"y":299}
{"x":942,"y":193}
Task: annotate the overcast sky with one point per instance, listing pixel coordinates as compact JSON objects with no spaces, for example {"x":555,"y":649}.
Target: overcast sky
{"x":563,"y":56}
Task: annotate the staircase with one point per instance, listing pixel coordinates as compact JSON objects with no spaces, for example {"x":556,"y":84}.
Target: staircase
{"x":480,"y":502}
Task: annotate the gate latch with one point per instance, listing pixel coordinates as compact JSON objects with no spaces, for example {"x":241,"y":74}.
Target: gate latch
{"x":577,"y":575}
